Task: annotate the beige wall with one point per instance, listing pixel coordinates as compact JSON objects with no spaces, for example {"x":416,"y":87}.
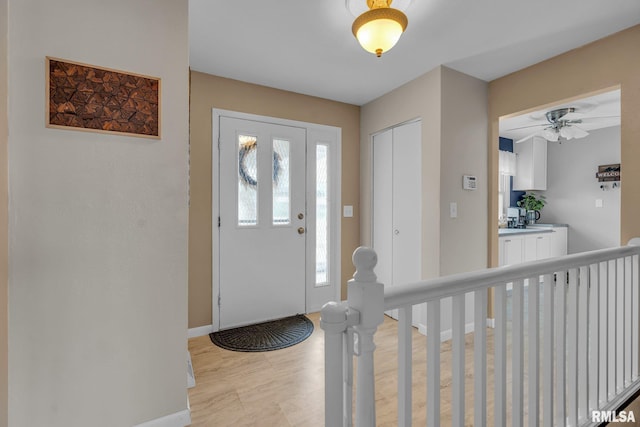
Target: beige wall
{"x":463,"y":152}
{"x":419,"y":98}
{"x":4,"y":221}
{"x":453,"y":110}
{"x":98,"y":225}
{"x":208,"y":92}
{"x":606,"y":63}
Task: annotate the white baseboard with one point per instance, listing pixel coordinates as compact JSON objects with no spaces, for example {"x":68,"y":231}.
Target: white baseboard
{"x":178,"y":419}
{"x":200,"y":331}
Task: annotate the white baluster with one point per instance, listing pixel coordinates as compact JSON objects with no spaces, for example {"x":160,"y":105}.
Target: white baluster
{"x":333,"y":321}
{"x":517,"y":384}
{"x":547,"y":351}
{"x":500,"y":357}
{"x":480,"y":357}
{"x":572,"y":348}
{"x":433,"y":363}
{"x":534,"y":352}
{"x":404,"y":365}
{"x":627,"y":341}
{"x":366,"y":296}
{"x":612,"y":358}
{"x":458,"y":318}
{"x":604,"y":332}
{"x":594,"y":336}
{"x":620,"y":325}
{"x":583,"y":345}
{"x":560,"y":323}
{"x":635,"y":286}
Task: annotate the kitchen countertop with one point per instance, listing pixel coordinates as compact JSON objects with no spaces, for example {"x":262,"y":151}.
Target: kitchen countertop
{"x":531,"y":230}
{"x":536,"y":228}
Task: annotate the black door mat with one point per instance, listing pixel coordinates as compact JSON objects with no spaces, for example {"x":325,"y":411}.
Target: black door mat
{"x":267,"y":336}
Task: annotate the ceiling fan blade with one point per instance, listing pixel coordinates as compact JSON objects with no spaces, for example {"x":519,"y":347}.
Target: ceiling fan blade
{"x":526,"y":137}
{"x":600,"y":118}
{"x":527,"y":127}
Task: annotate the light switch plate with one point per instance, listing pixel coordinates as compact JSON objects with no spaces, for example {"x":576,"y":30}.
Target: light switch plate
{"x":347,"y":211}
{"x":599,"y":203}
{"x":453,"y":210}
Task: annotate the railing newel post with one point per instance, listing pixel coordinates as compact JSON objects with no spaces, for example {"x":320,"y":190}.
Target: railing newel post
{"x":365,"y":295}
{"x":333,"y":321}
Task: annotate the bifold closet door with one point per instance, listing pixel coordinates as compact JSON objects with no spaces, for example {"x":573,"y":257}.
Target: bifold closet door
{"x":397,"y":202}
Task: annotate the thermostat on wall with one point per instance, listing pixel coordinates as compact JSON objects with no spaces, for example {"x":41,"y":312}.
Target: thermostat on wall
{"x":469,"y":182}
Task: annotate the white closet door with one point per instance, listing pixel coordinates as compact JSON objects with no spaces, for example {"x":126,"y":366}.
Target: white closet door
{"x":383,"y":205}
{"x":397,"y":211}
{"x":407,"y":200}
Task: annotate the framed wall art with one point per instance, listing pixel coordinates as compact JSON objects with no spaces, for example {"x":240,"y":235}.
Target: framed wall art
{"x":89,"y":98}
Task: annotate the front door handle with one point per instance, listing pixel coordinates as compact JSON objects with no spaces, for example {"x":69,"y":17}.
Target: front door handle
{"x":300,"y":230}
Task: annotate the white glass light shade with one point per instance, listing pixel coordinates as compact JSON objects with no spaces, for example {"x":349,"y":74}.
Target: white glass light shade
{"x":566,"y":132}
{"x":579,"y":133}
{"x":378,"y":30}
{"x":550,"y":135}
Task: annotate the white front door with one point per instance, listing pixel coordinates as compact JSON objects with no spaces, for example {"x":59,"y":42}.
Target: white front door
{"x":263,"y":221}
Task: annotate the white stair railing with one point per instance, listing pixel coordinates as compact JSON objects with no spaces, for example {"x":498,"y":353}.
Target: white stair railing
{"x":578,"y":316}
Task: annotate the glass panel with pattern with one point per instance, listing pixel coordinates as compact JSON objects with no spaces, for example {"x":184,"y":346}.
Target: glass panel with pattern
{"x":247,"y":180}
{"x":322,"y":221}
{"x":281,"y":181}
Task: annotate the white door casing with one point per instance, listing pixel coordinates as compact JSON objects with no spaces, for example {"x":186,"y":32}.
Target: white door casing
{"x":265,"y":252}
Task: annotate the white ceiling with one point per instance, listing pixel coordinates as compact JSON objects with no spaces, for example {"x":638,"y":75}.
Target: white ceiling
{"x":596,"y":112}
{"x":306,"y":46}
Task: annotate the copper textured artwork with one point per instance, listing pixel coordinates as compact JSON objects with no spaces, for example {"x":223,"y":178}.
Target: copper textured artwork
{"x":85,"y":97}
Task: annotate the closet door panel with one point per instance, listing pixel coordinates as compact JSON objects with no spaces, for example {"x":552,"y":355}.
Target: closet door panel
{"x":383,"y":205}
{"x":407,"y":214}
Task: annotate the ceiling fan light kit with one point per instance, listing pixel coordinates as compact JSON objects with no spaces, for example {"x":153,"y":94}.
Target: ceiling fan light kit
{"x":559,"y":128}
{"x":379,"y":29}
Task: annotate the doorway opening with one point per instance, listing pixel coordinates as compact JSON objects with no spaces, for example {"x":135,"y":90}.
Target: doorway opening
{"x":554,"y":154}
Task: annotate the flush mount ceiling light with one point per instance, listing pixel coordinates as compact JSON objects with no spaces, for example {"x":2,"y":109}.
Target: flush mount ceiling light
{"x":379,"y":28}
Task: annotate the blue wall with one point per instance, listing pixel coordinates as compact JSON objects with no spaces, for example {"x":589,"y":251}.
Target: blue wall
{"x":506,"y":144}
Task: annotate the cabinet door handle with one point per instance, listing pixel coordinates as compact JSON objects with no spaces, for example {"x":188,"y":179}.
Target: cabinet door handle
{"x":507,"y":241}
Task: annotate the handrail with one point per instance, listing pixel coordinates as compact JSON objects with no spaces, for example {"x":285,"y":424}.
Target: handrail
{"x":447,"y":286}
{"x":591,"y":307}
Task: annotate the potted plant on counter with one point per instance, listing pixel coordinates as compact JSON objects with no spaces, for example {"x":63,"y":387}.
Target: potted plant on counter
{"x":533,"y":204}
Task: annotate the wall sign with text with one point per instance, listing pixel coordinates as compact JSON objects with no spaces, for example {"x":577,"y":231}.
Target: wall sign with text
{"x":607,"y":173}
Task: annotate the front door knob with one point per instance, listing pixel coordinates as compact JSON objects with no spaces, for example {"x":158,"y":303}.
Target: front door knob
{"x":301,"y":230}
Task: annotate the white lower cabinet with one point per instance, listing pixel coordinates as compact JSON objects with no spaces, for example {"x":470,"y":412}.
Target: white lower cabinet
{"x":558,"y":242}
{"x":519,"y":248}
{"x":511,"y":250}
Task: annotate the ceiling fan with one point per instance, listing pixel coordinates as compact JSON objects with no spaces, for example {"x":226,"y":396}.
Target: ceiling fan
{"x":561,"y":126}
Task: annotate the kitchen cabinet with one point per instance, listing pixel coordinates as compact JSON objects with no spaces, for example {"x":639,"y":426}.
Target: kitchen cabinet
{"x":536,"y":246}
{"x":397,"y":205}
{"x":558,"y":238}
{"x":511,"y":250}
{"x":515,"y":247}
{"x":531,"y":165}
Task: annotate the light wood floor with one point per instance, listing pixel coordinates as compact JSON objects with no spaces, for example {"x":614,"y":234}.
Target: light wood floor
{"x":286,"y":387}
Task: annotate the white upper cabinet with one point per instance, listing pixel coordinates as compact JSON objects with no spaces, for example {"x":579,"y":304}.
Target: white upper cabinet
{"x":531,"y":165}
